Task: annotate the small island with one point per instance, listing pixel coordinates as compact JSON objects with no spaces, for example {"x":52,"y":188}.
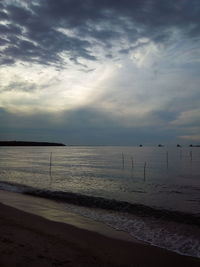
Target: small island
{"x":28,"y":143}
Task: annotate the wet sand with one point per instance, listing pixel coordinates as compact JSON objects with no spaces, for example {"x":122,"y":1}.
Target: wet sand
{"x":30,"y":240}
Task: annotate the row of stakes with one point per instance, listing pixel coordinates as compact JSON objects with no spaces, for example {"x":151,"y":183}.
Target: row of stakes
{"x":145,"y":164}
{"x":123,"y":161}
{"x":132,"y":164}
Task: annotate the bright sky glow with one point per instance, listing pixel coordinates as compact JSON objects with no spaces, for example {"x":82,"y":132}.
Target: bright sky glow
{"x":106,"y":69}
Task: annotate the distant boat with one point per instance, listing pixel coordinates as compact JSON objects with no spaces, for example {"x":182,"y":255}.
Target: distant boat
{"x":178,"y":145}
{"x":194,"y":145}
{"x":160,"y":145}
{"x":140,"y":145}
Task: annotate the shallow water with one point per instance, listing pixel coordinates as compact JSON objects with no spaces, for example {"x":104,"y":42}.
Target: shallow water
{"x":159,"y":204}
{"x":99,"y":171}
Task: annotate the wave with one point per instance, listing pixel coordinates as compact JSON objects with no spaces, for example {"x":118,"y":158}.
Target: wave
{"x":103,"y":203}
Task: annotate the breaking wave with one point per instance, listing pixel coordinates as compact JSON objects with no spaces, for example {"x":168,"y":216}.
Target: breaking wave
{"x":104,"y":203}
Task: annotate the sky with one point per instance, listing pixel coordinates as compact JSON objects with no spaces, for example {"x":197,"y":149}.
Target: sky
{"x":100,"y":72}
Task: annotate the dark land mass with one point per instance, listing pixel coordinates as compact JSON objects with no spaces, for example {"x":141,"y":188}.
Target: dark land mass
{"x":27,"y":143}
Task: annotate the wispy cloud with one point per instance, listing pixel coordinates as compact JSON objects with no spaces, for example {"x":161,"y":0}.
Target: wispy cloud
{"x":31,"y":32}
{"x":97,"y":67}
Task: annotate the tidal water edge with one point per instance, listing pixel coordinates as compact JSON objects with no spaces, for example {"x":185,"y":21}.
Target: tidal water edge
{"x":151,"y":193}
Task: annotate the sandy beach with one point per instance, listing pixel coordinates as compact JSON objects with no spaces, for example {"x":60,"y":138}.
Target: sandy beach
{"x":30,"y":240}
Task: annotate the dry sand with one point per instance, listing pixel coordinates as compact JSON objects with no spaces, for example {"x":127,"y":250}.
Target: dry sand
{"x":30,"y":240}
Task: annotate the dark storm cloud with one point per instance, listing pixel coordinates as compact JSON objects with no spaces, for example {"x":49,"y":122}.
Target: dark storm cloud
{"x":78,"y":128}
{"x":11,"y":29}
{"x":132,"y":47}
{"x":104,"y":21}
{"x":3,"y":42}
{"x":3,"y":15}
{"x":43,"y":42}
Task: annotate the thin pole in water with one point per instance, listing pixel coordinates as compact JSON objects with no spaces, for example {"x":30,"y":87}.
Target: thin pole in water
{"x":50,"y":163}
{"x":191,"y":155}
{"x":122,"y":160}
{"x":167,"y":158}
{"x":180,"y":154}
{"x":132,"y":162}
{"x":145,"y":164}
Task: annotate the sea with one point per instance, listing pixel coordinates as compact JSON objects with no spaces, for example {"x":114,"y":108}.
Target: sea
{"x":151,"y":193}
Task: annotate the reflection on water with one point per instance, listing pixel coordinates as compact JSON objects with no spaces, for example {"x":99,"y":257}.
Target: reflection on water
{"x":158,"y":176}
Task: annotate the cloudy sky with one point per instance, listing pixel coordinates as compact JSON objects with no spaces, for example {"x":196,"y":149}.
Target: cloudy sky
{"x":119,"y":72}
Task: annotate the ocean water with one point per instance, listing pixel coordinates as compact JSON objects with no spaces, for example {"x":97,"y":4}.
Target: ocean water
{"x":153,"y":193}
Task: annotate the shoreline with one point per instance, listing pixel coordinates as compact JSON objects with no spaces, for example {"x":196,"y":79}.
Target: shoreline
{"x":28,"y":239}
{"x":57,"y":212}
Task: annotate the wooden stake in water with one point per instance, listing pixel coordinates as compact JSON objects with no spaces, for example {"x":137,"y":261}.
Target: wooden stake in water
{"x":167,"y":158}
{"x":132,"y":162}
{"x":145,"y":164}
{"x":50,"y":163}
{"x":180,"y":154}
{"x":122,"y":160}
{"x":191,"y":155}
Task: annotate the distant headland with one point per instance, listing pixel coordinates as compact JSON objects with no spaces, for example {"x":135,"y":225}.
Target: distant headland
{"x":27,"y":143}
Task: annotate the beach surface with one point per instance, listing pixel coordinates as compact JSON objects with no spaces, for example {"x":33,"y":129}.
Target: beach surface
{"x":30,"y":240}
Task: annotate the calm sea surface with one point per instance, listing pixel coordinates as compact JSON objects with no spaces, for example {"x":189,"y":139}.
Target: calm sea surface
{"x":171,"y":179}
{"x":163,"y":178}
